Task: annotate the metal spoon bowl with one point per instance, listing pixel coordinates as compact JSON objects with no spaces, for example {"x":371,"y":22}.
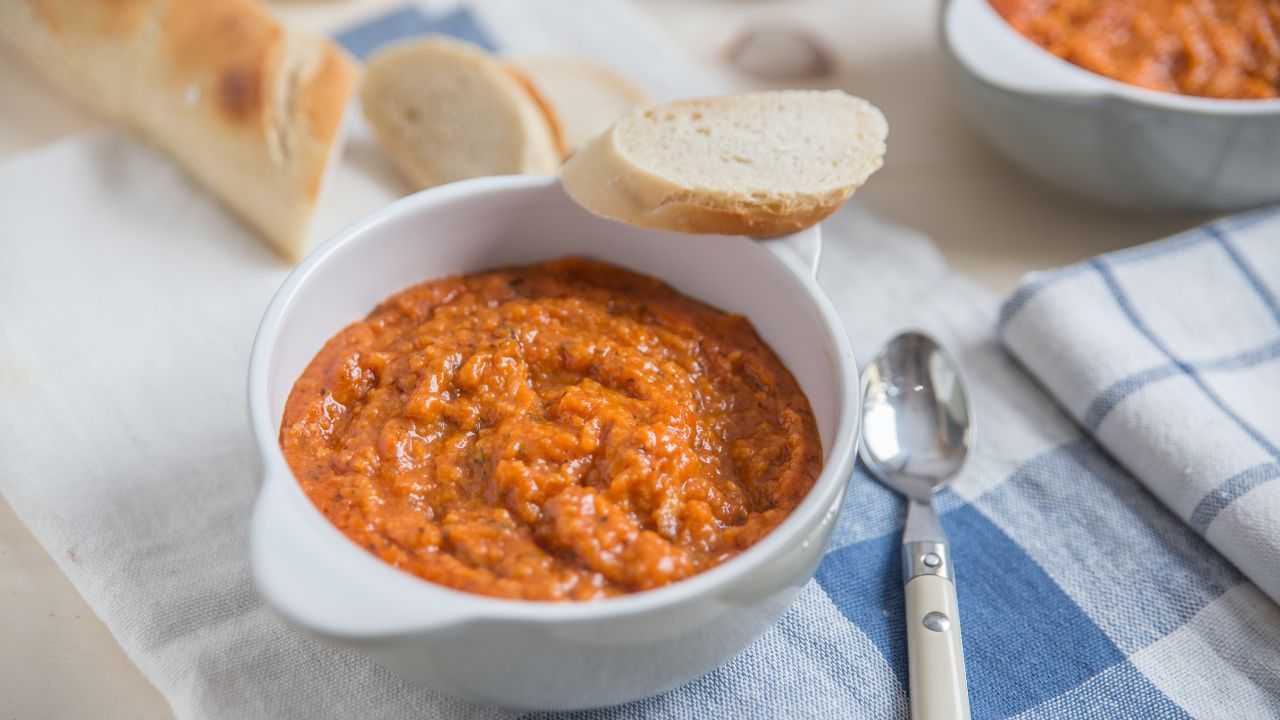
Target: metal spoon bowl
{"x":916,"y":423}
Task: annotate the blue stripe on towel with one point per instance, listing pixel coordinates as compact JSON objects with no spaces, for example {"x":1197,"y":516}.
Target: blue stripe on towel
{"x":1233,"y":488}
{"x":1030,"y":289}
{"x":1250,"y":275}
{"x":1121,"y":389}
{"x":1114,"y":395}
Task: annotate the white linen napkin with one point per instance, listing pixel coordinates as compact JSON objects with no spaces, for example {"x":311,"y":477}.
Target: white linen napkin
{"x":1169,"y":354}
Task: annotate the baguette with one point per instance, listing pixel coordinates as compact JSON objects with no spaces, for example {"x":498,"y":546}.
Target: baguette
{"x":445,"y":110}
{"x":761,"y":164}
{"x":587,"y":97}
{"x":251,"y":110}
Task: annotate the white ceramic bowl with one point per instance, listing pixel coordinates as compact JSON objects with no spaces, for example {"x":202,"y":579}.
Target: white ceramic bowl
{"x":531,"y":654}
{"x":1112,"y":142}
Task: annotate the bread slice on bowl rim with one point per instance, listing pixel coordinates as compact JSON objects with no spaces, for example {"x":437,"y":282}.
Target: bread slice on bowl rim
{"x":760,"y":164}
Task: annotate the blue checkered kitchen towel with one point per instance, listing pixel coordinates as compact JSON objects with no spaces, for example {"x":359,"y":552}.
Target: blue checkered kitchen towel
{"x":1085,"y":592}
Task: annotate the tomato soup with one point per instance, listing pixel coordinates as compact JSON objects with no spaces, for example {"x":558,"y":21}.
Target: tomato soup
{"x":563,"y":431}
{"x":1226,"y":49}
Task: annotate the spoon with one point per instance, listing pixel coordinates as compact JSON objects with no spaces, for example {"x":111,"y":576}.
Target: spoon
{"x":916,"y":433}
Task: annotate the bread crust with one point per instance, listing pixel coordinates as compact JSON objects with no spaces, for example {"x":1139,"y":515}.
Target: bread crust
{"x":549,"y":113}
{"x":602,"y":179}
{"x":250,"y":109}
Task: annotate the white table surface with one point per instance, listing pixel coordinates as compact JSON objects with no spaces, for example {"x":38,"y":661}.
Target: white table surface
{"x":994,"y":224}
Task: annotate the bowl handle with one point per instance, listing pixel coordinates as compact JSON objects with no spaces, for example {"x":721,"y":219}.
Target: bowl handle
{"x":801,"y":251}
{"x":328,"y":585}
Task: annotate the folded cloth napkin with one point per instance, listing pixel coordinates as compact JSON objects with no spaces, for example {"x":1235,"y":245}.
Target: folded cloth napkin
{"x":128,"y":301}
{"x":1169,"y":355}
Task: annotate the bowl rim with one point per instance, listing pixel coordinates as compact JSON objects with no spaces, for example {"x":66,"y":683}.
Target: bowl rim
{"x":1103,"y":87}
{"x":818,"y":503}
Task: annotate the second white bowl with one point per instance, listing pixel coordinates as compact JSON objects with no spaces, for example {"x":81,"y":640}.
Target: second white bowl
{"x":1117,"y":144}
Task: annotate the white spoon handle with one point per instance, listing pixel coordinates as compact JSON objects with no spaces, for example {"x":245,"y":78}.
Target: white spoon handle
{"x":935,"y":657}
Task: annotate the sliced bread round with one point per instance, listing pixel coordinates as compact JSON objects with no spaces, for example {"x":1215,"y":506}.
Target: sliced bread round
{"x":586,"y":96}
{"x":760,"y":164}
{"x":445,"y":110}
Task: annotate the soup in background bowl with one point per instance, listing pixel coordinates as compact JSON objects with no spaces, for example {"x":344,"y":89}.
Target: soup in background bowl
{"x":1227,"y":49}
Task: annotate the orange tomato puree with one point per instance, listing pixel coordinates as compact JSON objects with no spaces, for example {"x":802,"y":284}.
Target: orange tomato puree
{"x":1215,"y":48}
{"x":563,"y":431}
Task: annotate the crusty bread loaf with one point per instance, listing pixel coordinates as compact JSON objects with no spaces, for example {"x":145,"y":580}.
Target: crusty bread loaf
{"x":761,"y":164}
{"x":445,"y":110}
{"x":587,"y":97}
{"x":250,"y":109}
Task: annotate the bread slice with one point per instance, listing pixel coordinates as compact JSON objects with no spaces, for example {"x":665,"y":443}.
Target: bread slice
{"x":249,"y":108}
{"x":761,"y":164}
{"x":586,"y":96}
{"x":444,"y":110}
